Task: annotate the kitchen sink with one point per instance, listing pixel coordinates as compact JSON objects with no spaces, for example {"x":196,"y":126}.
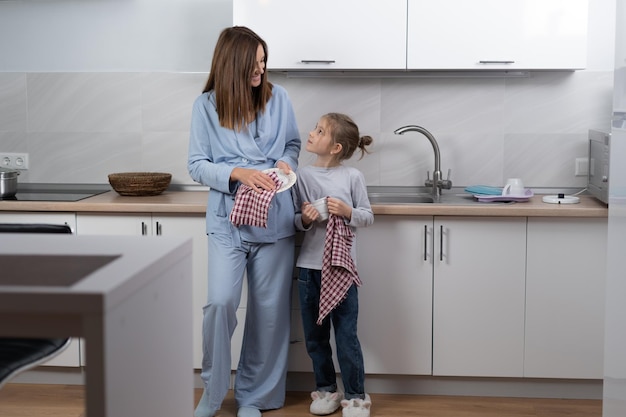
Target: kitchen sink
{"x":383,"y":198}
{"x":396,"y":195}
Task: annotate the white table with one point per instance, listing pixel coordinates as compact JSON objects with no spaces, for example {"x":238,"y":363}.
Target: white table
{"x":128,"y":297}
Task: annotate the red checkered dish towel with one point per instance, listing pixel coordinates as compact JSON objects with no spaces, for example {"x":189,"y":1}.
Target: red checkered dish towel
{"x":338,"y":269}
{"x":251,"y":207}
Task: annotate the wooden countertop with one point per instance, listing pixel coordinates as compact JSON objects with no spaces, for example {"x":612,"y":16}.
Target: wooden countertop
{"x":195,"y":202}
{"x":110,"y":201}
{"x":535,"y":207}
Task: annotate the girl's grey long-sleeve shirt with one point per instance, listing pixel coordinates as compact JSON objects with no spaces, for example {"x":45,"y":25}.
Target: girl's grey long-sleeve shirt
{"x":343,"y":182}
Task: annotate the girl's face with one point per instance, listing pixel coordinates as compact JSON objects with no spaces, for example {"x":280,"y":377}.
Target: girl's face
{"x":259,"y":67}
{"x":320,"y":141}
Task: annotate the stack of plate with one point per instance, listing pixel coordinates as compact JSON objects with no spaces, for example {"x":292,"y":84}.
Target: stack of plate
{"x":486,"y":193}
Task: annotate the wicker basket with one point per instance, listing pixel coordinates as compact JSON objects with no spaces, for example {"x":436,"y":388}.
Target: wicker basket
{"x":140,"y":183}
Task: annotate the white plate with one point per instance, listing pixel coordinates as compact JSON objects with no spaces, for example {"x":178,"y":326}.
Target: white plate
{"x":287,"y":180}
{"x":554,"y":199}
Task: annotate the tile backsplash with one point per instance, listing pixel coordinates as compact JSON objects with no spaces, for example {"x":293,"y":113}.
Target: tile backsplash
{"x":79,"y":127}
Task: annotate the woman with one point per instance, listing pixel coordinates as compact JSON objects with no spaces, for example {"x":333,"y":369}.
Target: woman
{"x":240,"y":126}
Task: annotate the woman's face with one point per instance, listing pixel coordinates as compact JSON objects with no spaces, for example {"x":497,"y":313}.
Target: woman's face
{"x":259,"y":67}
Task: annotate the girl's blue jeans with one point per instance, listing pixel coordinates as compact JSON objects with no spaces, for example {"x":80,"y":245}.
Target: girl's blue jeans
{"x":344,"y":322}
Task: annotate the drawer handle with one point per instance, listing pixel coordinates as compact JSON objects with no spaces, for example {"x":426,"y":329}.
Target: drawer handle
{"x":425,"y":242}
{"x":441,"y":243}
{"x":496,"y":62}
{"x":318,"y":61}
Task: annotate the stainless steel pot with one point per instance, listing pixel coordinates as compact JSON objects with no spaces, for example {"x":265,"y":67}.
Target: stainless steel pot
{"x":8,"y":182}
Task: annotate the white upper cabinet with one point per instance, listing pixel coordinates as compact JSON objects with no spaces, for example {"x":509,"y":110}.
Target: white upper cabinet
{"x":419,"y":34}
{"x":497,"y":34}
{"x":328,"y":34}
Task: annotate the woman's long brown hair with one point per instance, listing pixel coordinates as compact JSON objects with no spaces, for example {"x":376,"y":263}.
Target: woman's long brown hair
{"x":234,"y":62}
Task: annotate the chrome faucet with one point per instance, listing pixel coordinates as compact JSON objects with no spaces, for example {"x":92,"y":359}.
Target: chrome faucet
{"x":438,"y":182}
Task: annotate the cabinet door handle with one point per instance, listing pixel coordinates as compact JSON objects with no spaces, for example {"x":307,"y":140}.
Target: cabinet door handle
{"x":496,"y":62}
{"x":425,"y":242}
{"x":318,"y":61}
{"x":144,"y":229}
{"x":158,"y":228}
{"x":441,"y":243}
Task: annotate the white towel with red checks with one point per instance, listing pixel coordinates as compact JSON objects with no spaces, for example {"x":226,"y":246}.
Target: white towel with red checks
{"x":251,"y":207}
{"x":338,"y":269}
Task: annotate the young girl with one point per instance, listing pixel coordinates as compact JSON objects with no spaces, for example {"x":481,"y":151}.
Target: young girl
{"x":334,"y":140}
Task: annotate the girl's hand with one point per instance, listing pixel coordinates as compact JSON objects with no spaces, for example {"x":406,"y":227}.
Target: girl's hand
{"x":339,"y":208}
{"x":253,"y":178}
{"x":309,"y":214}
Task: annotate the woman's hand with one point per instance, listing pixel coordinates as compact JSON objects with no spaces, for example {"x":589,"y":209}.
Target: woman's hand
{"x":253,"y":178}
{"x":339,"y":208}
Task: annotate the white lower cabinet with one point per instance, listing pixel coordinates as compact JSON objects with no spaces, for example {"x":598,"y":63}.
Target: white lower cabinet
{"x":395,"y":301}
{"x":395,"y":317}
{"x":39,"y":217}
{"x":191,"y":225}
{"x":443,"y":295}
{"x":132,"y":224}
{"x":510,"y":296}
{"x":70,"y":357}
{"x":478,"y":296}
{"x":565,"y":293}
{"x":299,"y":360}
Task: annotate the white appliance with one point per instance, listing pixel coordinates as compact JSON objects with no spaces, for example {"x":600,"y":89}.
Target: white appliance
{"x":599,"y":163}
{"x":614,"y":387}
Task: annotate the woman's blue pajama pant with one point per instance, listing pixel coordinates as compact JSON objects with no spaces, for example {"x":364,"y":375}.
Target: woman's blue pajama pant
{"x":261,"y":373}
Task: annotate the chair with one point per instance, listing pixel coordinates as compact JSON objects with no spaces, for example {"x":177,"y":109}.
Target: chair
{"x":20,"y":354}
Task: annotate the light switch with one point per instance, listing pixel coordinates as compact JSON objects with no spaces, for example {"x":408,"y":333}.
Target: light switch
{"x":582,"y":167}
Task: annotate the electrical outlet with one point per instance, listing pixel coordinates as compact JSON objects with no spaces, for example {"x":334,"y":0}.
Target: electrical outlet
{"x":14,"y":160}
{"x":582,"y":167}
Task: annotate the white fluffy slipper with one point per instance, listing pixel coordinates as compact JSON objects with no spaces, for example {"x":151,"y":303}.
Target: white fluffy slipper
{"x":357,"y":407}
{"x":325,"y":402}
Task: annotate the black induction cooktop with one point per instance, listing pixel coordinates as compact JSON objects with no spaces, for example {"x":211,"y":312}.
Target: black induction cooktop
{"x":62,"y":193}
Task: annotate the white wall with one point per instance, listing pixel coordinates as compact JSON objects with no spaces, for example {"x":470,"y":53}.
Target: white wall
{"x":110,"y":35}
{"x":109,"y":84}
